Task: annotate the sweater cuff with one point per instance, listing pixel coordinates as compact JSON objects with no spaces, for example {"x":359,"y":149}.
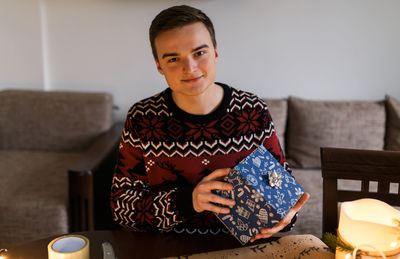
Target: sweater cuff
{"x":184,"y":202}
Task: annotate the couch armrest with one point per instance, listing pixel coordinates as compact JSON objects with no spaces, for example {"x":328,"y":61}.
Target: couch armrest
{"x":90,"y":182}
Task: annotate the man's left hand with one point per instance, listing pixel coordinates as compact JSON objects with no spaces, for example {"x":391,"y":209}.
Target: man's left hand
{"x":268,"y":232}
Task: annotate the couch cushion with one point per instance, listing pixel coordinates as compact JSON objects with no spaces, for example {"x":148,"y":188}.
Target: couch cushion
{"x":33,"y":195}
{"x":346,"y":124}
{"x":393,"y":124}
{"x":310,"y":216}
{"x":278,"y":110}
{"x":52,"y":121}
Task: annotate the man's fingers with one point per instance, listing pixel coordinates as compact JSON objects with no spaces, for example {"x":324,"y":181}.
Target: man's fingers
{"x":216,"y":185}
{"x":292,"y":212}
{"x":303,"y":199}
{"x":210,"y":197}
{"x":215,"y":208}
{"x":221,"y":200}
{"x":217,"y":174}
{"x":202,"y":196}
{"x":267,"y":232}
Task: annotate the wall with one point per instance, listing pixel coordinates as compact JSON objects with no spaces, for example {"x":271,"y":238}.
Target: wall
{"x":21,"y":64}
{"x":342,"y":50}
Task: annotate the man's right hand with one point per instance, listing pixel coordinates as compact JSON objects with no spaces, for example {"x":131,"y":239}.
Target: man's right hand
{"x":202,"y":195}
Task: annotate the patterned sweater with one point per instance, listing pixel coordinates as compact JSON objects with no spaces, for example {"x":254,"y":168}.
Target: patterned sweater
{"x":164,"y":152}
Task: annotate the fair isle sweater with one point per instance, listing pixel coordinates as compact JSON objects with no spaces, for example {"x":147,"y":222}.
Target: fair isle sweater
{"x":164,"y":152}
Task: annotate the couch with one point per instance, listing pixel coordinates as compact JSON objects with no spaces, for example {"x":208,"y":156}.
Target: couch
{"x":57,"y":151}
{"x":303,"y":126}
{"x":43,"y":135}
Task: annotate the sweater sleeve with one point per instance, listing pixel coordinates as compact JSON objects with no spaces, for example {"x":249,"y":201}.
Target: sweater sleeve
{"x":134,"y":203}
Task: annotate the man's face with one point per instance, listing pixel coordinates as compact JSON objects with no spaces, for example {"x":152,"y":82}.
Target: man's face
{"x":187,"y":59}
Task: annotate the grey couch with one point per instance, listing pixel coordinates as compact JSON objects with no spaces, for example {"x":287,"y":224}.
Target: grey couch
{"x":304,"y":126}
{"x":42,"y":136}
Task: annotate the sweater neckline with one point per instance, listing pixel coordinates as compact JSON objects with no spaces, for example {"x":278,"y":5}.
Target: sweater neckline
{"x":185,"y":116}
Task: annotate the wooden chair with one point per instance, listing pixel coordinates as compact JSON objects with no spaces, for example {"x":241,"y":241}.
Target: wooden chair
{"x":90,"y":184}
{"x":382,"y":167}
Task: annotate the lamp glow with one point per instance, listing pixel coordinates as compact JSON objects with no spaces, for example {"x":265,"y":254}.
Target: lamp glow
{"x":368,"y":224}
{"x":3,"y":251}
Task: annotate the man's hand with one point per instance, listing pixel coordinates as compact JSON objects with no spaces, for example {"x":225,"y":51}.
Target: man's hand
{"x":268,"y":232}
{"x":202,"y":195}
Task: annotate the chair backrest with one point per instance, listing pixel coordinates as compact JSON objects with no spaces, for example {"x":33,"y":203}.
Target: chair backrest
{"x":53,"y":120}
{"x":366,"y":166}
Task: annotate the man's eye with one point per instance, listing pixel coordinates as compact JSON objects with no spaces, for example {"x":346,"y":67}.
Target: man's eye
{"x":200,"y":53}
{"x":171,"y":60}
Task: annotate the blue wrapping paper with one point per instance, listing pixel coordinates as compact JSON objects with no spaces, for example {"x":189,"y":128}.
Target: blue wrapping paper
{"x":264,"y":192}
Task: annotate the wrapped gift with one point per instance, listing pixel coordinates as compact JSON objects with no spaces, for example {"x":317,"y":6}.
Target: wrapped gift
{"x":264,"y":192}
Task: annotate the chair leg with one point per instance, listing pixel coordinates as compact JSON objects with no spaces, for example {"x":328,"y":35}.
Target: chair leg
{"x":81,"y":201}
{"x":329,"y":207}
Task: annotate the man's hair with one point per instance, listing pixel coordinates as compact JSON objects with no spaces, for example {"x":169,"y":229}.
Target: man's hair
{"x":175,"y":17}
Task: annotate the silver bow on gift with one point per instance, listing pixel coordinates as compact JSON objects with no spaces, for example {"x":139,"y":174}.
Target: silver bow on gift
{"x":274,"y":179}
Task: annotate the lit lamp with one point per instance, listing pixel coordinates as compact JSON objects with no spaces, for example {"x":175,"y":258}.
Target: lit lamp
{"x":371,"y":226}
{"x":3,"y":253}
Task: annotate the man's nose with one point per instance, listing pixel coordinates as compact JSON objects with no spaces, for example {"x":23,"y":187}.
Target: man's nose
{"x":189,"y":65}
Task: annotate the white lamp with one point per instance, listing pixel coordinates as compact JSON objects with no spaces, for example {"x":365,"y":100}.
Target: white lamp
{"x":3,"y":252}
{"x":371,"y":226}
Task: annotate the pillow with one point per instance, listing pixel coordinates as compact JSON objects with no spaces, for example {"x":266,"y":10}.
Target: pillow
{"x":278,"y":110}
{"x":393,"y":124}
{"x":345,"y":124}
{"x":53,"y":120}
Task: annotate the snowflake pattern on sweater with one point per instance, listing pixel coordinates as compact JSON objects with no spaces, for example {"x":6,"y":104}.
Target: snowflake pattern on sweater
{"x":164,"y":152}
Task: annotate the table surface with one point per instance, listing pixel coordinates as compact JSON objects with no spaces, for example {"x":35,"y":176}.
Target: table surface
{"x":129,"y":244}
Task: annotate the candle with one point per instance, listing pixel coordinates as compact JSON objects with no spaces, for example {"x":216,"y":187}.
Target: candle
{"x":370,"y":225}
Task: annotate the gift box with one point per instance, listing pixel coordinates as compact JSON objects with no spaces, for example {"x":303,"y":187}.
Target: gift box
{"x":264,"y":192}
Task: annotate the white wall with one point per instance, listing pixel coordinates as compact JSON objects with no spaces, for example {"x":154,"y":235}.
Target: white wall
{"x":316,"y":49}
{"x":21,"y":63}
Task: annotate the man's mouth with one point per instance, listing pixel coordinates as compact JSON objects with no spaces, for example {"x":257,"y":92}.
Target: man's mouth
{"x":193,"y":79}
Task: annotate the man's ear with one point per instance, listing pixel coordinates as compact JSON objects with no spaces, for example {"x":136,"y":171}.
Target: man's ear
{"x":159,"y":67}
{"x":216,"y":53}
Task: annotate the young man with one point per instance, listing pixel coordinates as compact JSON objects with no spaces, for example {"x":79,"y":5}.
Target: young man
{"x":177,"y":145}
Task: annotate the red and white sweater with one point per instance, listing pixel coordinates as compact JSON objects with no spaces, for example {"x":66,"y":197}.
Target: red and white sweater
{"x":164,"y":152}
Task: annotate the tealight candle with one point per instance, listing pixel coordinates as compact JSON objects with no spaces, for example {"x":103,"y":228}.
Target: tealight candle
{"x":369,"y":225}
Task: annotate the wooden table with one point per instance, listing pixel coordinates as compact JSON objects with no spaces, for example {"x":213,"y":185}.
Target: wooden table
{"x":128,"y":245}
